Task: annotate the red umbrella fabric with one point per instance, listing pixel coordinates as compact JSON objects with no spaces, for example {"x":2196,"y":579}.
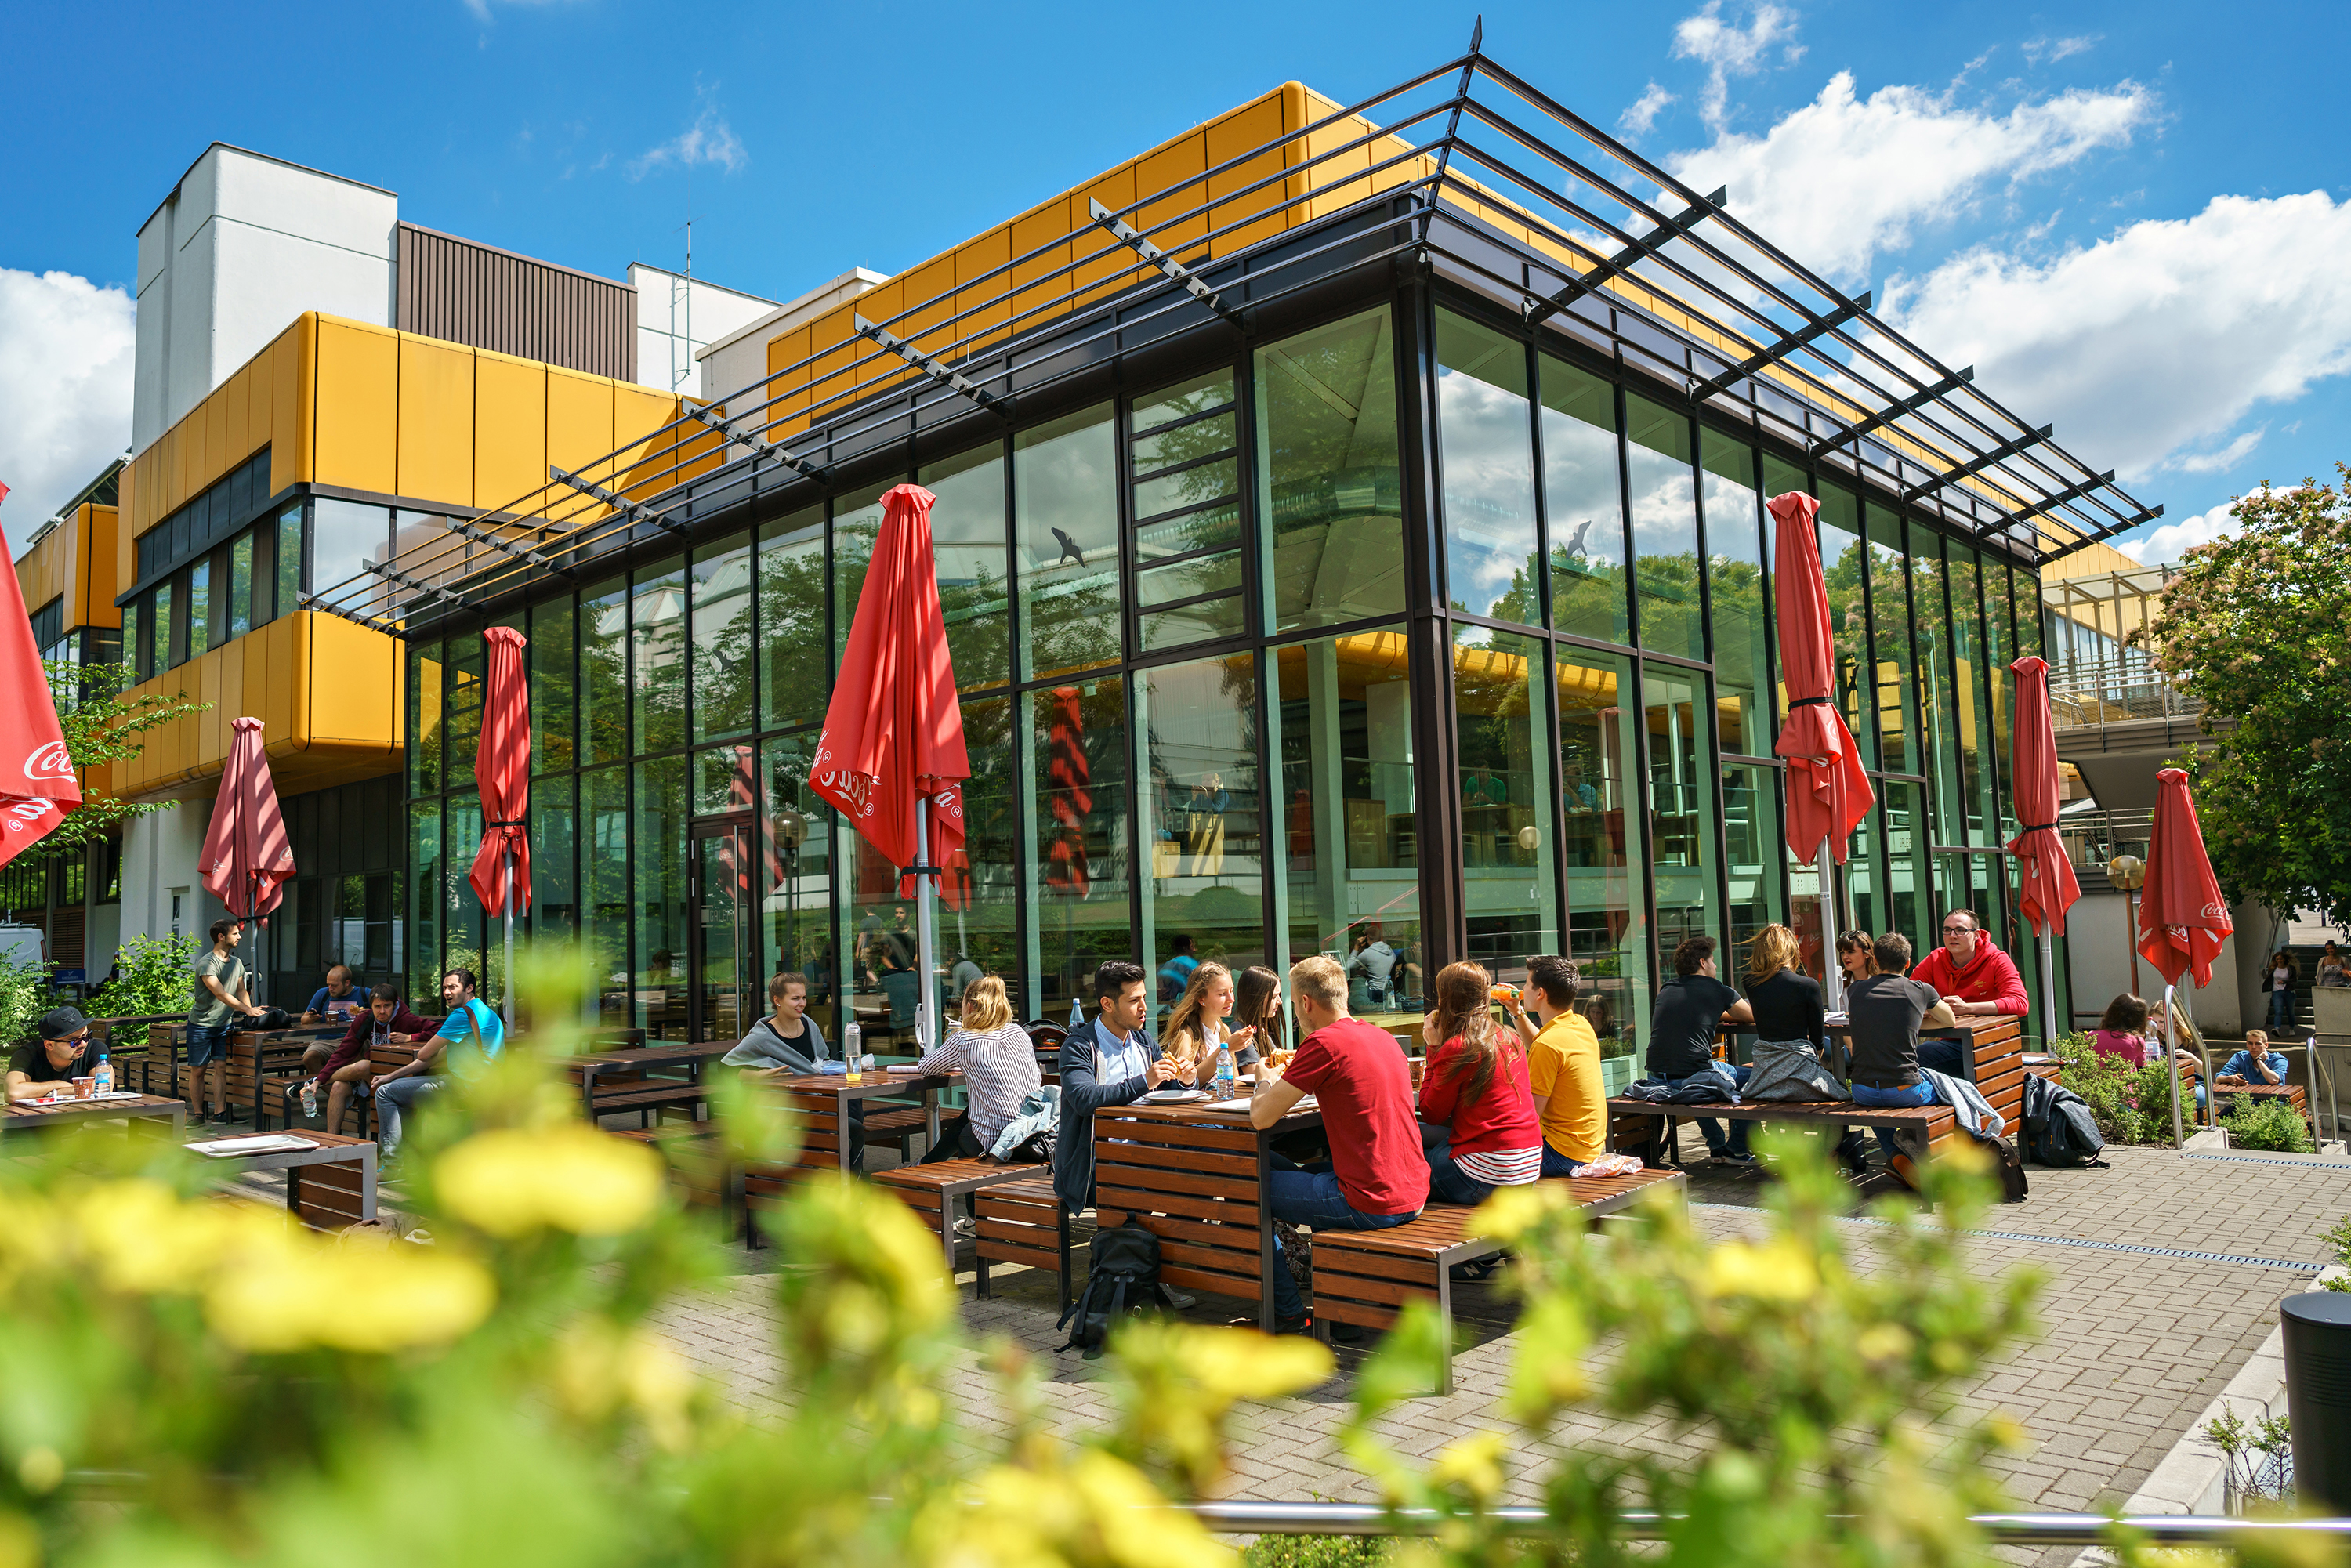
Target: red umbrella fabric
{"x":2047,"y":875}
{"x":892,"y":740}
{"x":246,"y":857}
{"x":2182,"y":918}
{"x":1828,"y":791}
{"x":37,"y":787}
{"x":502,"y":774}
{"x":1070,"y":776}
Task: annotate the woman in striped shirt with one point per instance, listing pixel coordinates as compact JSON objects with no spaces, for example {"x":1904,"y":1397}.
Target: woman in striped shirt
{"x":1478,"y":1122}
{"x":999,"y":1066}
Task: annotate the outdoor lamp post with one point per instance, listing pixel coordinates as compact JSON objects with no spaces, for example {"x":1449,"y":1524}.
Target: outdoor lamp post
{"x":2128,"y":873}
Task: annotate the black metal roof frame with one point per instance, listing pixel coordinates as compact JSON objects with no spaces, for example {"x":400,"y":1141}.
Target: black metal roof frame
{"x":1609,"y":250}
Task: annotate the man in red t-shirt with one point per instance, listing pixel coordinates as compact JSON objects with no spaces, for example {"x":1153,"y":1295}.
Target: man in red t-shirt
{"x":1377,"y":1175}
{"x":1973,"y":975}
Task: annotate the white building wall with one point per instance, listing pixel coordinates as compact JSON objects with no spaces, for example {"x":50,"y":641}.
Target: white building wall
{"x":677,"y":317}
{"x":242,"y":246}
{"x":734,"y":361}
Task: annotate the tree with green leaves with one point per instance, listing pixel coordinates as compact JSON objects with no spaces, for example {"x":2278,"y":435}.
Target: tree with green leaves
{"x":102,"y":718}
{"x":2257,"y":627}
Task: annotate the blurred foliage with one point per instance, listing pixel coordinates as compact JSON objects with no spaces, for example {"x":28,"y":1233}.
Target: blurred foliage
{"x":24,"y":997}
{"x":153,"y":975}
{"x":2131,"y":1104}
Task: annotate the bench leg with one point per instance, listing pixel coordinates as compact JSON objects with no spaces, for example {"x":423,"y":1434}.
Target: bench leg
{"x":1445,"y":1316}
{"x":1061,"y":1220}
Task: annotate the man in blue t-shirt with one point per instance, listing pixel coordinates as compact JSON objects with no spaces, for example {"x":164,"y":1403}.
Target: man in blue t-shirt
{"x":469,"y":1039}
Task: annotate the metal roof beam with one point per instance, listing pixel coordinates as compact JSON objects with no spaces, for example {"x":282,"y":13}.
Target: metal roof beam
{"x":1780,"y":349}
{"x":631,"y":510}
{"x":752,"y":444}
{"x":2145,"y":515}
{"x":1672,"y":229}
{"x":2069,"y":492}
{"x":318,"y":603}
{"x":415,"y":584}
{"x":1887,"y":415}
{"x":2005,"y":449}
{"x":933,"y":367}
{"x":1175,"y":270}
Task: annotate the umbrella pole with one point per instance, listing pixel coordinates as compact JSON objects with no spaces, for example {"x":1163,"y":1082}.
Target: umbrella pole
{"x":2171,"y":1065}
{"x":2048,"y":989}
{"x":926,"y":962}
{"x":509,"y":909}
{"x":1832,"y":972}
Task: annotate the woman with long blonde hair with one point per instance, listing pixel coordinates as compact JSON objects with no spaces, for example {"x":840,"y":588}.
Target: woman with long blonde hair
{"x":999,"y":1066}
{"x":1790,"y":1021}
{"x":1195,"y":1029}
{"x":1478,"y":1123}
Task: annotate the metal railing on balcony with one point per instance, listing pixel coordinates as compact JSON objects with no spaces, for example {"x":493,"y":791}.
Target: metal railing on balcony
{"x":2094,"y":837}
{"x":2114,"y":691}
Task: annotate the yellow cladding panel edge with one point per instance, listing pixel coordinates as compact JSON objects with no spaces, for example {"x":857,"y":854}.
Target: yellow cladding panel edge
{"x":510,"y":429}
{"x":358,"y":420}
{"x":436,"y":422}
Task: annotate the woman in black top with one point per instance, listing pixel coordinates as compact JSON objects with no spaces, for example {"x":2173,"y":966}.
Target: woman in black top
{"x":1787,"y":1006}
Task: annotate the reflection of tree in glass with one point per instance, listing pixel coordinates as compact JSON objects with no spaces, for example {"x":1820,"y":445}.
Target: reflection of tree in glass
{"x":1848,"y":627}
{"x":1669,"y":601}
{"x":791,"y":631}
{"x":1335,"y":502}
{"x":604,"y":674}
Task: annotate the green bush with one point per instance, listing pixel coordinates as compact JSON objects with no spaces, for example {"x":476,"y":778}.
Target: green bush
{"x":154,"y":974}
{"x":24,"y":997}
{"x":1318,"y":1552}
{"x":2265,"y":1121}
{"x":2131,"y":1104}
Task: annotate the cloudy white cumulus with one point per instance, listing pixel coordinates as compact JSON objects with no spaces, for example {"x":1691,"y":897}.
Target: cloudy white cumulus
{"x":66,"y":354}
{"x":709,"y":140}
{"x":1727,"y":49}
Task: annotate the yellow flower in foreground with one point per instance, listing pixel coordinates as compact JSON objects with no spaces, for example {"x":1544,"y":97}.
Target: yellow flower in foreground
{"x":1097,"y":1511}
{"x":512,"y":1181}
{"x":290,"y":1291}
{"x":1229,"y":1364}
{"x":140,"y":1237}
{"x":1779,"y":1271}
{"x":598,"y":1365}
{"x":1512,"y":1211}
{"x":1473,"y":1463}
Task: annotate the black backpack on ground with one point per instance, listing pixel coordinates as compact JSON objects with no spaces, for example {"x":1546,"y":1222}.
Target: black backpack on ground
{"x":2059,"y":1129}
{"x":2013,"y":1187}
{"x":1122,"y":1275}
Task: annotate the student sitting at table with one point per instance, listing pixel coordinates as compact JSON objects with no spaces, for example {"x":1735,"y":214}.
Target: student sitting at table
{"x":999,"y":1066}
{"x":1109,"y":1061}
{"x":787,"y":1043}
{"x":61,"y":1054}
{"x":1195,"y":1030}
{"x":2122,"y":1029}
{"x":1689,"y":1008}
{"x":1477,"y":1124}
{"x":1888,"y":1010}
{"x":1377,"y":1175}
{"x":1563,"y":1066}
{"x":351,"y":1063}
{"x":470,"y":1037}
{"x":2255,"y":1064}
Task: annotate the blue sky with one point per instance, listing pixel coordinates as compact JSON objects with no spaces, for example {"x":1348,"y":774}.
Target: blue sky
{"x":2133,"y":220}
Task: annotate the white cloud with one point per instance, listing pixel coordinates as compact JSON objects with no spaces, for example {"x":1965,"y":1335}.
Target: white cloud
{"x":2167,"y":543}
{"x":481,"y":8}
{"x":1729,"y":50}
{"x":2219,"y":460}
{"x":66,"y":354}
{"x":1636,"y":121}
{"x":2157,"y":339}
{"x":2052,"y":51}
{"x":1845,"y":177}
{"x":709,"y":140}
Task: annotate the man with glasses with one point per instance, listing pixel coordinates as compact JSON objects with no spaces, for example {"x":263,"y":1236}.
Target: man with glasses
{"x":61,"y":1054}
{"x":1971,"y":974}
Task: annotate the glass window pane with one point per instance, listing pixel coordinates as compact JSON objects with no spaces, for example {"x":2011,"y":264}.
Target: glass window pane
{"x":1906,"y":859}
{"x":796,"y":893}
{"x":200,"y":608}
{"x":797,"y":672}
{"x":1585,"y":504}
{"x":856,"y":524}
{"x":1501,"y":739}
{"x":659,"y":870}
{"x":1351,"y":848}
{"x":1198,"y":530}
{"x":1931,"y":625}
{"x":1681,"y":805}
{"x":465,"y":695}
{"x":1999,"y":653}
{"x":240,"y":586}
{"x":1739,"y":594}
{"x":1864,"y":884}
{"x":261,"y":605}
{"x":1750,"y":852}
{"x":554,"y":696}
{"x":1664,"y":527}
{"x":1328,"y":487}
{"x":987,"y":934}
{"x":1889,"y":596}
{"x":1185,"y":400}
{"x":289,"y":558}
{"x":1219,"y":573}
{"x":162,"y":638}
{"x":1974,"y":705}
{"x":1066,"y":521}
{"x":724,"y":663}
{"x":1844,"y":570}
{"x":1486,"y":447}
{"x":657,"y":656}
{"x":346,"y":537}
{"x":604,"y":670}
{"x":604,"y":886}
{"x":1607,"y":924}
{"x":133,"y":654}
{"x":425,"y":735}
{"x":554,"y":859}
{"x":1190,"y":486}
{"x":967,"y":543}
{"x":1079,"y":889}
{"x":424,"y":913}
{"x":1201,"y":816}
{"x":1209,"y":620}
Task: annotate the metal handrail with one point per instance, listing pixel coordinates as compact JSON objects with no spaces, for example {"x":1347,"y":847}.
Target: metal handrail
{"x":1256,"y":1518}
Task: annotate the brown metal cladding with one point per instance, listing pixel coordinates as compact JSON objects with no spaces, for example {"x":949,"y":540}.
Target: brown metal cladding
{"x":462,"y":292}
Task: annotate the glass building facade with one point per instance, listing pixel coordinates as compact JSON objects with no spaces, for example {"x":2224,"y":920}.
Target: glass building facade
{"x":1408,"y":626}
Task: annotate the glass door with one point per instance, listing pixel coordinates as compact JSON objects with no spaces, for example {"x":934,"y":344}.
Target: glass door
{"x":722,"y":963}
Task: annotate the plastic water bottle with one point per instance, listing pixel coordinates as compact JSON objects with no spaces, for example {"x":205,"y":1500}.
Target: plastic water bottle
{"x":1077,"y":1017}
{"x":1226,"y":1077}
{"x":103,"y":1076}
{"x":852,"y":1043}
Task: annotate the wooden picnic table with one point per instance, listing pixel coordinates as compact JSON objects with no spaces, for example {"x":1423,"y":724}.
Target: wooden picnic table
{"x":328,"y":1186}
{"x":22,"y":1117}
{"x":1197,"y":1179}
{"x":591,"y":1065}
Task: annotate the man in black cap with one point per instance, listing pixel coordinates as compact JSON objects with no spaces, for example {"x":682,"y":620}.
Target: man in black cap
{"x":62,"y":1054}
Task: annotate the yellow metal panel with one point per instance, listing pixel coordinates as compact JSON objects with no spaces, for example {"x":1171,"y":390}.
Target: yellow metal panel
{"x":436,"y":422}
{"x":645,"y":467}
{"x":175,"y":478}
{"x":293,"y":366}
{"x":358,"y":413}
{"x":236,"y":400}
{"x":984,"y":301}
{"x":211,"y":456}
{"x":787,"y":399}
{"x":1167,"y":183}
{"x":260,"y":391}
{"x":509,"y":430}
{"x":1041,"y":283}
{"x":1228,"y":137}
{"x":930,"y":293}
{"x":579,"y":431}
{"x":100,"y":551}
{"x":884,"y":304}
{"x":1104,"y":264}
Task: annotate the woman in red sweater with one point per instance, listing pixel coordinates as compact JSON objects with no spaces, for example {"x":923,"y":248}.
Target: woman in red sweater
{"x":1478,"y":1123}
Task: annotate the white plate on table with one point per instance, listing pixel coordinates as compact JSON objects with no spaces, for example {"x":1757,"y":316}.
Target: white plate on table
{"x":253,"y":1144}
{"x":1175,"y":1097}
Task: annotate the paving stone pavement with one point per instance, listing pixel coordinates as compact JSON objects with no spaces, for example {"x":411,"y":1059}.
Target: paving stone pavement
{"x":2133,"y":1344}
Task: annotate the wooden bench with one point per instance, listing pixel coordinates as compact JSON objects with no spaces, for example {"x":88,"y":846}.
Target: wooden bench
{"x":931,"y":1190}
{"x":1366,"y":1277}
{"x":1022,"y":1222}
{"x":1921,"y":1130}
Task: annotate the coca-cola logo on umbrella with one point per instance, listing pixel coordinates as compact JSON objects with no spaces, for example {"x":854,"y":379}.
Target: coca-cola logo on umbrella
{"x":50,"y":761}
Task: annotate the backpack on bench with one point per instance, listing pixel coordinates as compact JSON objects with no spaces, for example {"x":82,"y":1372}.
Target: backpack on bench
{"x":1122,"y":1276}
{"x":2059,"y":1129}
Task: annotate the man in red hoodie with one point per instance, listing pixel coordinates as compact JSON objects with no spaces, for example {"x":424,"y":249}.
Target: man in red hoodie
{"x":1973,"y":975}
{"x":386,"y":1021}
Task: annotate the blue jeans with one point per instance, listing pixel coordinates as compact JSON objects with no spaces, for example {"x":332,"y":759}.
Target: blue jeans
{"x":1448,"y":1182}
{"x":402,"y":1094}
{"x":1556,"y":1164}
{"x":209,"y":1042}
{"x":2282,"y":1008}
{"x":1871,"y":1098}
{"x":1310,"y":1195}
{"x":1712,"y":1131}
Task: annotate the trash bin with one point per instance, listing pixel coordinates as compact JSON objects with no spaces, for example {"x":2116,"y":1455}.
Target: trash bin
{"x":2317,"y":1330}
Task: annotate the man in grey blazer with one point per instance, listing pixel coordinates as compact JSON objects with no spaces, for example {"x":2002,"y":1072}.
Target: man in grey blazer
{"x":1108,"y":1062}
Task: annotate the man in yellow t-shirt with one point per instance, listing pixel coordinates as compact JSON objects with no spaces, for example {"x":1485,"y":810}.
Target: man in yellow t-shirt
{"x":1563,"y":1068}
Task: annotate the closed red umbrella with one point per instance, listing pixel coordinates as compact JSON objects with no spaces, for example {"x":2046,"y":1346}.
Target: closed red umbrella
{"x":892,"y":755}
{"x":2045,"y":873}
{"x":1828,"y":791}
{"x":501,"y":874}
{"x":246,"y":857}
{"x":2182,"y":917}
{"x":36,"y":778}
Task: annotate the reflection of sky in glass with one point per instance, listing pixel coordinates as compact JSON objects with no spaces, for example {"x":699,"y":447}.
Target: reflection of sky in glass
{"x":1664,"y":498}
{"x":1580,"y":489}
{"x":1489,"y":465}
{"x":968,"y":518}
